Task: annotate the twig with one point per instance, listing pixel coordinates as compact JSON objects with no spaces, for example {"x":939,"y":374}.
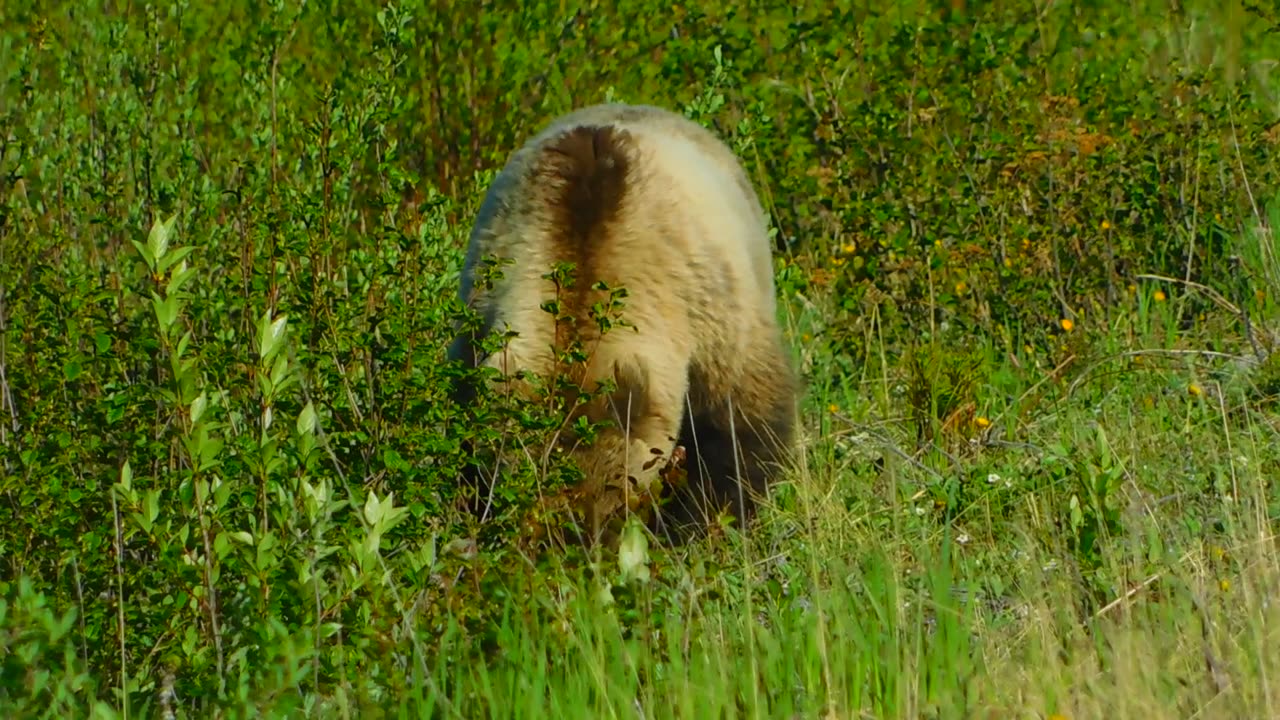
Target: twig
{"x":124,"y":661}
{"x":1130,"y":593}
{"x":6,"y":393}
{"x":1155,"y":351}
{"x":892,"y":447}
{"x":1213,"y":294}
{"x":1217,"y":675}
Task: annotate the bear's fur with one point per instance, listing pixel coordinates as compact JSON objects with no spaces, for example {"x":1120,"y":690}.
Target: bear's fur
{"x":643,"y":199}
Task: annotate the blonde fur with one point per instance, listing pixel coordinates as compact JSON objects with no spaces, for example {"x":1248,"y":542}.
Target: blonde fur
{"x":646,"y":200}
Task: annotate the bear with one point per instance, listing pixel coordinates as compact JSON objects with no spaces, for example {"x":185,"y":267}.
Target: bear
{"x":643,"y":199}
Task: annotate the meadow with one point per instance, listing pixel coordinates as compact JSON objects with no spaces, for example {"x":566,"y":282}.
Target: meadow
{"x":1026,"y":258}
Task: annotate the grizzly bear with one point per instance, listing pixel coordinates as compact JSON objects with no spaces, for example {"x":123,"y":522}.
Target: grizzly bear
{"x":645,"y":200}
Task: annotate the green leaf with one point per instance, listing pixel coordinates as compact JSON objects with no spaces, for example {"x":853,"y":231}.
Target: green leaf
{"x":269,"y":334}
{"x":158,"y":239}
{"x":633,"y":552}
{"x":278,"y":371}
{"x":198,"y":407}
{"x":173,"y":258}
{"x":221,"y":545}
{"x":145,"y":253}
{"x":151,"y":504}
{"x":372,"y":509}
{"x":306,"y":424}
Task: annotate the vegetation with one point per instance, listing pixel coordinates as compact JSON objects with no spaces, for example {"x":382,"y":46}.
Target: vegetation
{"x":1026,"y":255}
